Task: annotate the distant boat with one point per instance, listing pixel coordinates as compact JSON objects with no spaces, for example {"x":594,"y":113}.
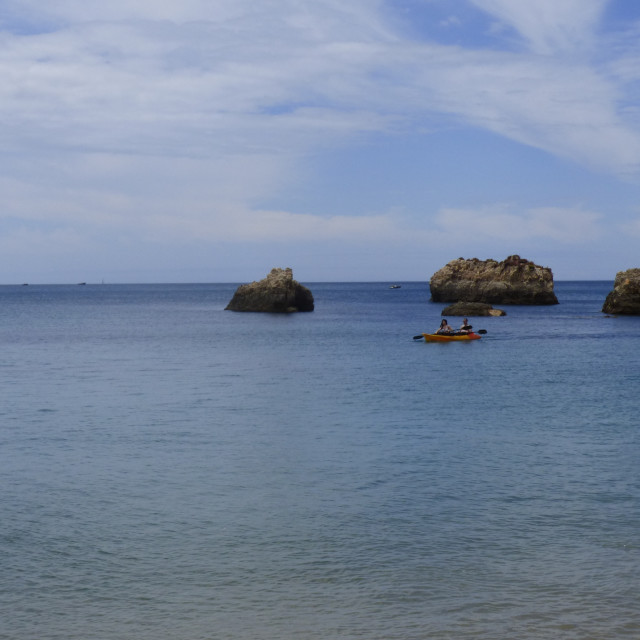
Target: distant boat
{"x":81,"y":284}
{"x":395,"y":286}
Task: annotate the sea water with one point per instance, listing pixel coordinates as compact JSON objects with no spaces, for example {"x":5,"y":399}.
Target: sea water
{"x":171,"y":470}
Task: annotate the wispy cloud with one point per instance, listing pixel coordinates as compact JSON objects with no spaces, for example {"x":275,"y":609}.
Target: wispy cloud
{"x":562,"y":225}
{"x":218,"y":79}
{"x":549,"y":26}
{"x":184,"y":118}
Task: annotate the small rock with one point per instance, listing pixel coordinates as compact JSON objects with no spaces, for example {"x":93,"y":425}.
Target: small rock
{"x":472,"y":309}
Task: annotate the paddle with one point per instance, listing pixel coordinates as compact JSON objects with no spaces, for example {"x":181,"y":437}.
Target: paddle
{"x":480,"y":331}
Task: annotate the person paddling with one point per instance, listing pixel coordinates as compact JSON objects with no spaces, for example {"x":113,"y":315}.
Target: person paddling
{"x":466,"y":327}
{"x":444,"y":327}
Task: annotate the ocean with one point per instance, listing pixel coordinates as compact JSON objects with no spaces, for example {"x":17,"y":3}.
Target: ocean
{"x":173,"y":471}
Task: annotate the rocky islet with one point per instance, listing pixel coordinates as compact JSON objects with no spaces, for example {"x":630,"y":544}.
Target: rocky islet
{"x":624,"y":298}
{"x":513,"y":281}
{"x":472,"y":284}
{"x":277,"y":293}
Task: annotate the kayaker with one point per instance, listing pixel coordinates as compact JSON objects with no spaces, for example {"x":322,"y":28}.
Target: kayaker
{"x":444,"y":327}
{"x":465,"y":327}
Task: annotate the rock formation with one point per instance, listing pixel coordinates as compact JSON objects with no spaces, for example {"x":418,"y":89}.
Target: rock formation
{"x":277,"y":293}
{"x":624,"y":299}
{"x":512,"y":281}
{"x":472,"y":309}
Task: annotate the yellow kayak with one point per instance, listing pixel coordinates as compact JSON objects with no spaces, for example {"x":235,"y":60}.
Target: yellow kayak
{"x":452,"y":337}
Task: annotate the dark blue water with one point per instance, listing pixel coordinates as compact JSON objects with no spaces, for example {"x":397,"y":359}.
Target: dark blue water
{"x":169,"y":470}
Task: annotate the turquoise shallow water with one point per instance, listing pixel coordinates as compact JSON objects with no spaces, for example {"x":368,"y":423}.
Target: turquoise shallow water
{"x":171,"y":470}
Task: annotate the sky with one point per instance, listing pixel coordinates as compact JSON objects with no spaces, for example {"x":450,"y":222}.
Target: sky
{"x":369,"y":140}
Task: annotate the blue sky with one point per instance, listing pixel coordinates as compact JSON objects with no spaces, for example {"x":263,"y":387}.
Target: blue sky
{"x":200,"y":141}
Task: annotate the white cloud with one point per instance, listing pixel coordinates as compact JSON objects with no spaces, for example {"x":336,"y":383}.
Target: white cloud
{"x":180,"y":120}
{"x":550,"y":26}
{"x":561,"y":225}
{"x":286,"y":76}
{"x":450,"y":21}
{"x":258,"y":226}
{"x":65,"y":11}
{"x":163,"y":200}
{"x":568,"y":111}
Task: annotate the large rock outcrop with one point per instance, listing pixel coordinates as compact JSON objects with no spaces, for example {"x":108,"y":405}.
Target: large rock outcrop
{"x":277,"y":293}
{"x":512,"y":281}
{"x":624,"y":299}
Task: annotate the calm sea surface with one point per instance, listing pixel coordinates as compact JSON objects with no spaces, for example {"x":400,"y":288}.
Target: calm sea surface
{"x":171,"y":470}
